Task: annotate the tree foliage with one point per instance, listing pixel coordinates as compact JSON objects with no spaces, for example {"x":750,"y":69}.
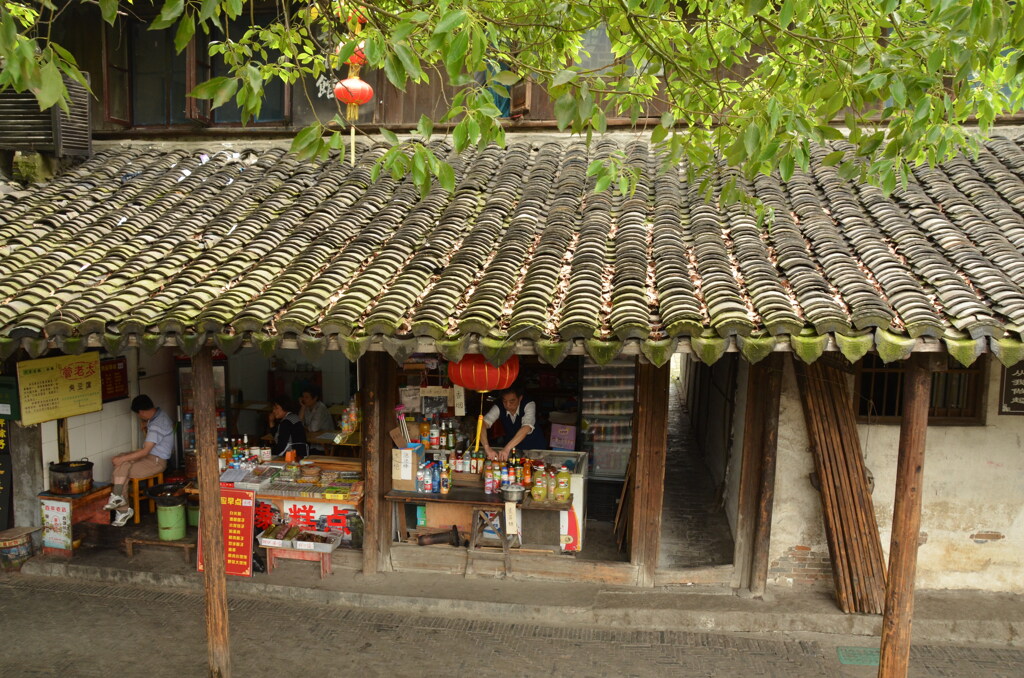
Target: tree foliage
{"x":749,"y":82}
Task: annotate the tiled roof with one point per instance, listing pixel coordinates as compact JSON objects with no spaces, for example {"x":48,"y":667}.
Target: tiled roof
{"x":138,"y":245}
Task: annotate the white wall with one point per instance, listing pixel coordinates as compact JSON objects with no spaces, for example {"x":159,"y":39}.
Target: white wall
{"x":973,"y":499}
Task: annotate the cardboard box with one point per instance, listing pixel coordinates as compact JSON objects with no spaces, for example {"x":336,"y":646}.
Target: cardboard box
{"x":563,"y":437}
{"x":404,"y":462}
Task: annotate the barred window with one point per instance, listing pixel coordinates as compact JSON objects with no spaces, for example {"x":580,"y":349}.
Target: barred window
{"x":957,"y":396}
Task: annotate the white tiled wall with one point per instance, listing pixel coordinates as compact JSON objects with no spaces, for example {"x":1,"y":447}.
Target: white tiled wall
{"x":101,"y":435}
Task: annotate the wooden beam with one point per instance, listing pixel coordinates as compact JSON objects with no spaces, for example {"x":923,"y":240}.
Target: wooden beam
{"x":906,"y":517}
{"x":750,"y":472}
{"x":377,"y":401}
{"x":771,"y":397}
{"x":214,"y":571}
{"x":650,"y":441}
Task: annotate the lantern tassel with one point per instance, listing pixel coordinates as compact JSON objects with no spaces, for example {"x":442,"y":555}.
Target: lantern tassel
{"x":479,"y":422}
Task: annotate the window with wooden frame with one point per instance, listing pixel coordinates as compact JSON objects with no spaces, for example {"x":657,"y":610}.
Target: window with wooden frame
{"x":957,"y":396}
{"x":146,"y":81}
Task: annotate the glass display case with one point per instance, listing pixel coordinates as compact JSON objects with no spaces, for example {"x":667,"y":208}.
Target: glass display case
{"x":607,"y":417}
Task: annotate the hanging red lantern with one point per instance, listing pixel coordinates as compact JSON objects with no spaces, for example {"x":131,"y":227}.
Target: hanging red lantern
{"x":476,"y":374}
{"x":355,"y":92}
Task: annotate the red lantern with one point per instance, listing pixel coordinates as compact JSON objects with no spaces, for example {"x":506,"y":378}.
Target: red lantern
{"x":476,"y":374}
{"x":354,"y":92}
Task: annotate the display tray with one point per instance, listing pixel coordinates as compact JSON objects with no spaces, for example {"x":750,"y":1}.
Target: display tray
{"x":273,"y":543}
{"x":326,"y":547}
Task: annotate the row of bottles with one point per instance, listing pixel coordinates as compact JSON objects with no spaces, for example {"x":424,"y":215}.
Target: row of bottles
{"x":437,"y":433}
{"x":350,"y":417}
{"x":551,"y":483}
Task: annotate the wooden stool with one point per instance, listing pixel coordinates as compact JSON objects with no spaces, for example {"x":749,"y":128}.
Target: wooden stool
{"x":131,"y":542}
{"x":134,"y":491}
{"x":480,"y":521}
{"x":323,"y":557}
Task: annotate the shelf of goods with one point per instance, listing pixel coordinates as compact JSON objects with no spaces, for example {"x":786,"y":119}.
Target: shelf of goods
{"x":607,"y":417}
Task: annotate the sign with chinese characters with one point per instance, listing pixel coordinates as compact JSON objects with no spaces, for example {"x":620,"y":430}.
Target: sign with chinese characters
{"x":55,"y":388}
{"x":238,"y":517}
{"x":1011,"y":391}
{"x":56,"y":523}
{"x":114,"y":374}
{"x":5,"y":476}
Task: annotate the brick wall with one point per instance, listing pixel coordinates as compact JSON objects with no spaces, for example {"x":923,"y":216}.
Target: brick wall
{"x":800,"y":566}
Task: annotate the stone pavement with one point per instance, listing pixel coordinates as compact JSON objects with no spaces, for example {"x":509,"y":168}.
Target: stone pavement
{"x":62,"y":627}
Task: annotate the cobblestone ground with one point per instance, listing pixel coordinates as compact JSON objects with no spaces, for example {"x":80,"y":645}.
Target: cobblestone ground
{"x":55,"y":627}
{"x":694,"y":529}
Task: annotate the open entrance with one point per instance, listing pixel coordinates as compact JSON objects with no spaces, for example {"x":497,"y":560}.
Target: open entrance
{"x":695,"y":528}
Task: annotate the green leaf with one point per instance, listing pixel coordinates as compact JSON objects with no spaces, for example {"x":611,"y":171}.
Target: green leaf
{"x":563,"y":77}
{"x":752,"y":7}
{"x":565,"y":110}
{"x":108,"y":9}
{"x":450,"y":21}
{"x":446,"y":176}
{"x":456,"y":53}
{"x":186,"y":29}
{"x":832,"y":158}
{"x":898,"y":91}
{"x":603,"y":183}
{"x":395,"y":72}
{"x":171,"y":10}
{"x":751,"y":139}
{"x":220,"y":89}
{"x":786,"y":167}
{"x":409,"y":61}
{"x":460,"y":137}
{"x":425,"y":126}
{"x":51,"y":87}
{"x":389,"y":136}
{"x":786,"y":13}
{"x":935,"y":60}
{"x":507,"y":78}
{"x":307,"y":142}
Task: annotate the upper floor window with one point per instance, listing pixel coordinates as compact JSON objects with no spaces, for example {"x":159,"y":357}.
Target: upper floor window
{"x":146,"y":81}
{"x":957,"y":394}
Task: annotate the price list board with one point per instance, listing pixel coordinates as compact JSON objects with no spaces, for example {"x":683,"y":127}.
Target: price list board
{"x":115,"y":378}
{"x":238,"y":518}
{"x":1011,"y":393}
{"x":55,"y":388}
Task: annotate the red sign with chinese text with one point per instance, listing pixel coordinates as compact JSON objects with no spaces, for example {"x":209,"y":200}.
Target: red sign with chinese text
{"x":114,"y":375}
{"x":238,"y":512}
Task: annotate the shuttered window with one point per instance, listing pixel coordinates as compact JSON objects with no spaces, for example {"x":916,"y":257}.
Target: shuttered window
{"x":957,"y":395}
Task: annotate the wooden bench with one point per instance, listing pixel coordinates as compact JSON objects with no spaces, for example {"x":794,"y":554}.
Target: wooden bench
{"x":186,"y":546}
{"x":275,"y":552}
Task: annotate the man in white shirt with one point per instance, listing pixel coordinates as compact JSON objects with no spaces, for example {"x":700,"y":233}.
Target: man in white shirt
{"x":315,"y":416}
{"x":518,"y":416}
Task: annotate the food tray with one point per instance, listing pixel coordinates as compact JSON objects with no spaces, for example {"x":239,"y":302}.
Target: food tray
{"x":274,"y":543}
{"x":327,"y":547}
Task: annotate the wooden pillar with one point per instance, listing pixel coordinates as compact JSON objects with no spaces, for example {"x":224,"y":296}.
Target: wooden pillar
{"x":906,"y":516}
{"x":750,"y":472}
{"x":377,"y":401}
{"x":772,"y":395}
{"x":214,"y":572}
{"x":650,"y":441}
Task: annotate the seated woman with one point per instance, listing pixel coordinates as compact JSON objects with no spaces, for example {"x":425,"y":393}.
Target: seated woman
{"x":286,"y":427}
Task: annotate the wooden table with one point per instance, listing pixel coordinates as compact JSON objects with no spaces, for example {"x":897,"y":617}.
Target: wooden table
{"x":275,"y":552}
{"x":131,"y":542}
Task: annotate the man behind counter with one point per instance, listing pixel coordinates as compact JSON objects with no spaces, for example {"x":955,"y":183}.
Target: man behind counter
{"x":518,"y":416}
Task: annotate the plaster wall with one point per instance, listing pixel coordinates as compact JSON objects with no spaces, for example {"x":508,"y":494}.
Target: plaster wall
{"x":973,"y":505}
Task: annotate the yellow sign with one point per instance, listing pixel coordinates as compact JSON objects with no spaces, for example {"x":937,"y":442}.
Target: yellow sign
{"x":54,"y":388}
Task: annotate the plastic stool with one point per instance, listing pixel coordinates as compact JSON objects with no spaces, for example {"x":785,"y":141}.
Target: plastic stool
{"x":133,"y":493}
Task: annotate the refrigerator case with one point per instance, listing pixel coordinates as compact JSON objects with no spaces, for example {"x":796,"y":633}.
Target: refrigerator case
{"x":186,"y":405}
{"x":608,"y":417}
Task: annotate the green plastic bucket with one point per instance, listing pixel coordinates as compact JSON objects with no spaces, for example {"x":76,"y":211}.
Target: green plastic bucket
{"x":193,"y":515}
{"x":171,"y":522}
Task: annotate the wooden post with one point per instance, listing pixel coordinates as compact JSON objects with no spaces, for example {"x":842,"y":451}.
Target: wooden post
{"x":214,"y":571}
{"x":750,"y":471}
{"x":650,"y":440}
{"x":771,"y":396}
{"x":906,"y":517}
{"x":377,"y":398}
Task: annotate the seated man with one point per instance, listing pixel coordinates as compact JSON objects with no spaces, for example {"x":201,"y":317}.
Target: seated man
{"x":314,"y":415}
{"x":286,"y":427}
{"x":146,"y":461}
